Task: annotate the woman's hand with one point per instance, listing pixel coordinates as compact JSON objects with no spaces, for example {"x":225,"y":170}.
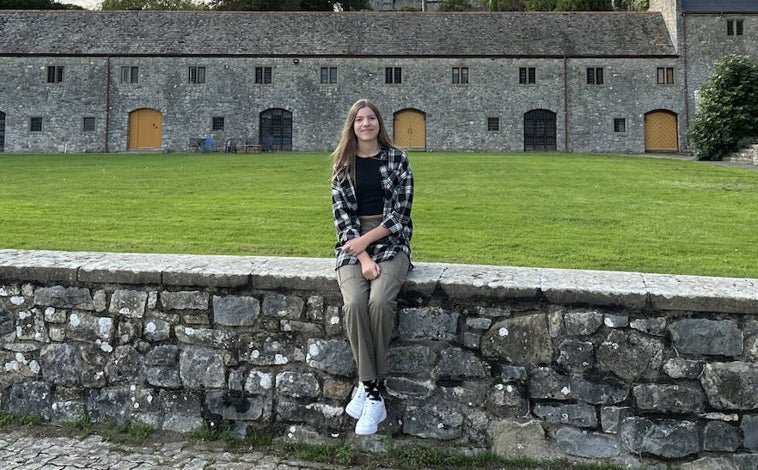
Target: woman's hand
{"x":355,"y":246}
{"x":369,"y":268}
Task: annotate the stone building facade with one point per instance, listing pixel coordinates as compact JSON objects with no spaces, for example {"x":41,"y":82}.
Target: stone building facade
{"x":610,"y":82}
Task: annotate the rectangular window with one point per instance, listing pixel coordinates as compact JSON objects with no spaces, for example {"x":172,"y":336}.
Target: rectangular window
{"x":263,"y":75}
{"x":35,"y":124}
{"x":393,"y":75}
{"x":129,"y":74}
{"x":735,"y":27}
{"x":594,"y":76}
{"x":619,"y":125}
{"x":89,"y":124}
{"x":54,"y":74}
{"x":460,"y":75}
{"x":527,"y":75}
{"x":328,"y":74}
{"x":493,"y":124}
{"x":665,"y":75}
{"x":217,"y":123}
{"x":196,"y":74}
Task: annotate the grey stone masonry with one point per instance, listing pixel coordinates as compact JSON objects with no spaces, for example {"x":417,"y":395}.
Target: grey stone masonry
{"x":635,"y":369}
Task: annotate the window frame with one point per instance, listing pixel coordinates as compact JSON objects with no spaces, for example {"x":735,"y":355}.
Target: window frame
{"x":89,"y":124}
{"x":665,"y":76}
{"x":129,"y":74}
{"x":527,"y":75}
{"x":217,"y":123}
{"x":493,"y":124}
{"x":35,"y":124}
{"x":595,"y":76}
{"x":55,"y":73}
{"x":735,"y":27}
{"x":196,"y":74}
{"x":263,"y":75}
{"x":460,"y":75}
{"x":328,"y":75}
{"x":619,"y":125}
{"x":393,"y":75}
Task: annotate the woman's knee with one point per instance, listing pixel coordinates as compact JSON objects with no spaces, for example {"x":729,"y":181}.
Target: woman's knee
{"x":382,"y":305}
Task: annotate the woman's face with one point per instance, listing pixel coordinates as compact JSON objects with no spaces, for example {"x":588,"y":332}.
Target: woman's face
{"x":366,"y":125}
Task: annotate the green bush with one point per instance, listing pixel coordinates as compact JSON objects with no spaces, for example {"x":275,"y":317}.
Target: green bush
{"x":728,"y":108}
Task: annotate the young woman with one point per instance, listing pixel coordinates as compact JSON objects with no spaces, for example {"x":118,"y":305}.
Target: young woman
{"x":372,"y":195}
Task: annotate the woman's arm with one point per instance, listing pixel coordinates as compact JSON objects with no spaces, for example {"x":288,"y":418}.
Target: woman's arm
{"x":359,"y":245}
{"x":402,"y":203}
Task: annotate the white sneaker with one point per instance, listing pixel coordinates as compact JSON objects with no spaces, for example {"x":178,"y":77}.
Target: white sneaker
{"x":374,"y":413}
{"x":355,"y":407}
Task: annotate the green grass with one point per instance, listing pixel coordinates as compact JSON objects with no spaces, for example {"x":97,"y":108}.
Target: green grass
{"x":620,"y":213}
{"x":410,"y":455}
{"x":9,"y":420}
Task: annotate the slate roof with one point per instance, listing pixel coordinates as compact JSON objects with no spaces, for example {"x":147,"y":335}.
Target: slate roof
{"x":333,"y":34}
{"x":720,"y":6}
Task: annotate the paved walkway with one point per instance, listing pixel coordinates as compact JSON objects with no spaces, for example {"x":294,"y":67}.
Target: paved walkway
{"x":24,"y":450}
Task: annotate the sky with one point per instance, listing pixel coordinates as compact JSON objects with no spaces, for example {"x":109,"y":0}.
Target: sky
{"x":88,"y":4}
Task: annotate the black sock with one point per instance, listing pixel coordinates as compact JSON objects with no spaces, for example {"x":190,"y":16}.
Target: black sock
{"x":372,"y":389}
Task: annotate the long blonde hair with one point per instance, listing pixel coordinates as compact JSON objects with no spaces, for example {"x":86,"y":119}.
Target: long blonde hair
{"x":343,"y":156}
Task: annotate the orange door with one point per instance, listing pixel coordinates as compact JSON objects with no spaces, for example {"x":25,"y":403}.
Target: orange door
{"x":145,"y":129}
{"x":410,"y":129}
{"x":661,"y":132}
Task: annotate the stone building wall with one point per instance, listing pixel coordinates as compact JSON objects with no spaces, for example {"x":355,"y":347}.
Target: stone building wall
{"x":700,"y":32}
{"x":541,"y":363}
{"x":425,"y":47}
{"x":456,"y":114}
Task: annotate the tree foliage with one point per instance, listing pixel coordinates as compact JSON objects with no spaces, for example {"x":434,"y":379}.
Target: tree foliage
{"x":504,"y":5}
{"x":150,"y":5}
{"x":290,"y":5}
{"x":541,"y":5}
{"x":36,"y":5}
{"x":583,"y":5}
{"x":565,"y":5}
{"x":727,"y":110}
{"x":455,"y":5}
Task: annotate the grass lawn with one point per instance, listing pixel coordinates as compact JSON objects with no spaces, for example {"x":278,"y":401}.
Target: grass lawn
{"x":621,"y":213}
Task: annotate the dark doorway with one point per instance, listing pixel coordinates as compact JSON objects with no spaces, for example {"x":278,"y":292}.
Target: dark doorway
{"x":276,"y":130}
{"x":539,"y":130}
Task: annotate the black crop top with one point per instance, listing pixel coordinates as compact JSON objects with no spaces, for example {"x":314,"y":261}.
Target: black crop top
{"x":368,"y":186}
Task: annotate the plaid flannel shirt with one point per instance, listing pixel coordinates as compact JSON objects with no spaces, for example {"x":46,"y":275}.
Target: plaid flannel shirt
{"x":397,"y":181}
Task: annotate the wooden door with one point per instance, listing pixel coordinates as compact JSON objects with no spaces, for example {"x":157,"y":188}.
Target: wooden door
{"x":661,"y":132}
{"x":145,"y":129}
{"x":410,"y":129}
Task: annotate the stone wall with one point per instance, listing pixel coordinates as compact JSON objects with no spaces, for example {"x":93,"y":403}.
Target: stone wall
{"x":456,"y":115}
{"x":543,"y":363}
{"x":747,"y":154}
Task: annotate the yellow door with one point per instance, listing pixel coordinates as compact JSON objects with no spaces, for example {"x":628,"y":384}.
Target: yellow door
{"x":145,"y":129}
{"x":410,"y":129}
{"x":661,"y":132}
